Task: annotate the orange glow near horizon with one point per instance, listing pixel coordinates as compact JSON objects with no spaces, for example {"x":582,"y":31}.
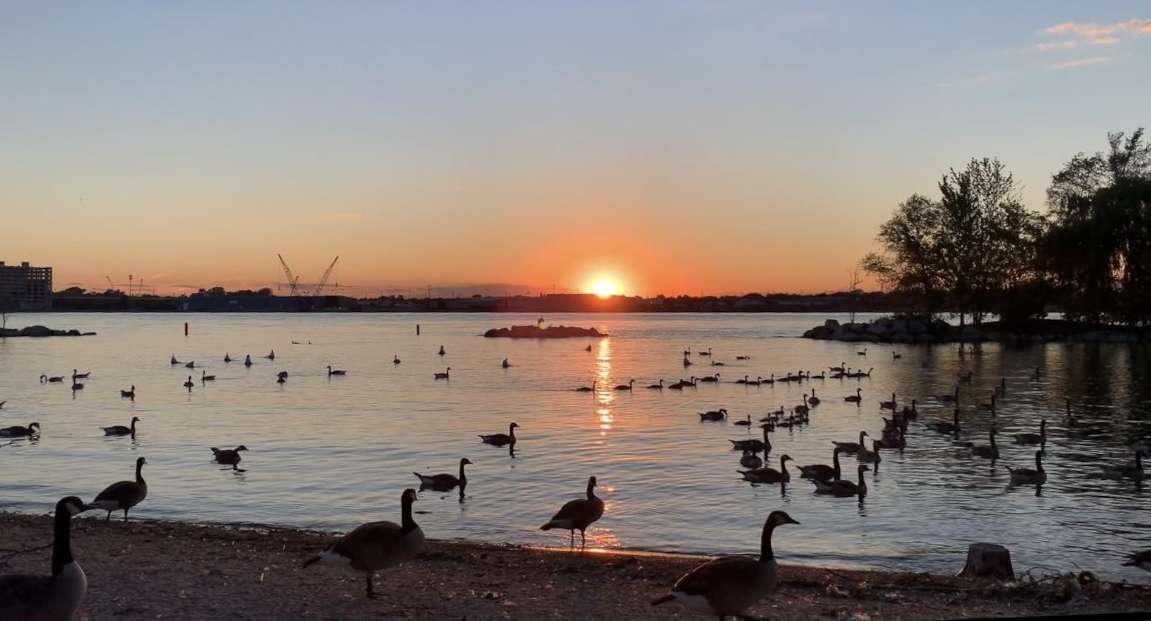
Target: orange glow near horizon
{"x":605,"y":286}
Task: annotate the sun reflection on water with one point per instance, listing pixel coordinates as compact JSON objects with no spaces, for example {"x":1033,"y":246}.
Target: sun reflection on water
{"x":604,"y":396}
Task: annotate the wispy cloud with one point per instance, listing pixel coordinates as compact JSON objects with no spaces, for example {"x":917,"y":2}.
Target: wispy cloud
{"x":1072,"y":34}
{"x":1079,"y":62}
{"x":1057,"y":45}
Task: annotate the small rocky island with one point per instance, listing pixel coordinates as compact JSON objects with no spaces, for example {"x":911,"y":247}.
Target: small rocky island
{"x":39,"y":331}
{"x":891,"y":330}
{"x":536,"y":332}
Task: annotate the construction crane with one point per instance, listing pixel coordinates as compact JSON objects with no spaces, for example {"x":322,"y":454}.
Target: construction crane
{"x":293,"y":280}
{"x":294,"y":285}
{"x":324,"y":279}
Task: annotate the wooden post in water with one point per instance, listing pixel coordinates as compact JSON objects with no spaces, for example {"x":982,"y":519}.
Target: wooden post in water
{"x":417,"y":329}
{"x":185,"y":328}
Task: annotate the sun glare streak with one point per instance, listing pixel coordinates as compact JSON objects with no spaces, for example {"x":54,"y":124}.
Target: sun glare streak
{"x":604,"y":396}
{"x":604,"y":286}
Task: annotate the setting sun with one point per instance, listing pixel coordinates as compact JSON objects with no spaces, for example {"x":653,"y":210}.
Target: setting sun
{"x":605,"y":287}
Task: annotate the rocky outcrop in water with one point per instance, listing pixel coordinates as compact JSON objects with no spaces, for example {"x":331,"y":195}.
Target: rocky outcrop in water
{"x":550,"y":332}
{"x":40,"y":331}
{"x":889,"y":330}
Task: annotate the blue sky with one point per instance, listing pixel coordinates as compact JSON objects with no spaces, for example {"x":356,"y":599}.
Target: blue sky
{"x":756,"y":144}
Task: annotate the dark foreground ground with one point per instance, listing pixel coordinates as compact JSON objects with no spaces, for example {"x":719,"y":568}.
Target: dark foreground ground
{"x":163,"y":570}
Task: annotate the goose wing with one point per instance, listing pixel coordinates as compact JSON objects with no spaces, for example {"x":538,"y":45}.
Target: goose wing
{"x":729,"y":583}
{"x":372,"y":546}
{"x":123,"y":492}
{"x":577,"y":513}
{"x":438,"y":481}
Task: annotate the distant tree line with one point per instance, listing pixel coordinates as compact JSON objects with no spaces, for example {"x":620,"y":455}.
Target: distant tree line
{"x":977,"y":250}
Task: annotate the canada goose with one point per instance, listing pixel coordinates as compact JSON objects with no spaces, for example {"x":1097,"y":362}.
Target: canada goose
{"x":802,"y":409}
{"x":711,"y":379}
{"x":713,"y":415}
{"x":952,"y":398}
{"x":227,"y":358}
{"x":77,"y":386}
{"x":743,"y":357}
{"x":856,"y":398}
{"x":895,"y":356}
{"x":17,"y":431}
{"x":1141,"y":559}
{"x":813,"y":400}
{"x":501,"y":439}
{"x":743,"y":380}
{"x":54,"y":379}
{"x":189,"y":384}
{"x":282,"y":375}
{"x":1034,"y":438}
{"x":588,"y":348}
{"x":190,"y":365}
{"x":839,"y":369}
{"x":851,"y":448}
{"x":271,"y":355}
{"x":686,"y":362}
{"x":769,"y":475}
{"x":395,"y":359}
{"x":332,"y":371}
{"x":444,"y":482}
{"x":446,"y":375}
{"x":944,"y":426}
{"x":1027,"y":476}
{"x":754,"y":444}
{"x":658,"y":386}
{"x":728,"y":585}
{"x":76,"y":376}
{"x":123,"y":495}
{"x":280,"y":379}
{"x":704,"y":353}
{"x":750,"y":460}
{"x":172,"y":361}
{"x":755,"y":382}
{"x":744,"y":423}
{"x":626,"y":386}
{"x":990,"y":451}
{"x":1127,"y":471}
{"x":910,"y":412}
{"x":128,"y":394}
{"x":587,"y":388}
{"x":895,"y":439}
{"x":822,"y":472}
{"x":377,"y":545}
{"x":578,"y":514}
{"x":843,"y":488}
{"x":862,"y":353}
{"x":228,"y":457}
{"x":441,"y":352}
{"x":204,"y":377}
{"x":248,"y":360}
{"x":716,"y":363}
{"x":888,"y":405}
{"x":869,"y":457}
{"x":121,"y":430}
{"x":49,"y":597}
{"x":505,"y":364}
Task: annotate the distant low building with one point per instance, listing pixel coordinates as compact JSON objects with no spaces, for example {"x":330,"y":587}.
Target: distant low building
{"x":25,"y":288}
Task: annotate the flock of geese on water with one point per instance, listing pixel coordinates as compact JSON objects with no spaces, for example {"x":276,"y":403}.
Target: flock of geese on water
{"x":722,"y":587}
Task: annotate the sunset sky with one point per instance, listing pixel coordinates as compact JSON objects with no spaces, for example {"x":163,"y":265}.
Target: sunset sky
{"x":668,"y":147}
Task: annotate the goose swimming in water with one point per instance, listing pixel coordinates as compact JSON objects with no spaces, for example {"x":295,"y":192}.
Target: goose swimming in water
{"x":18,"y":431}
{"x":856,"y":398}
{"x":76,"y":376}
{"x":952,"y":398}
{"x":627,"y":386}
{"x":851,"y":448}
{"x":769,"y":475}
{"x":844,"y":488}
{"x":946,"y":427}
{"x":989,"y":451}
{"x":578,"y":514}
{"x":54,"y":597}
{"x":395,"y":359}
{"x":728,"y":585}
{"x":441,"y":352}
{"x":750,"y":460}
{"x":888,"y":405}
{"x":332,"y":371}
{"x":813,"y":400}
{"x":713,"y":415}
{"x":204,"y":377}
{"x":271,"y":355}
{"x":1027,"y":476}
{"x":189,"y":384}
{"x":587,"y":388}
{"x":822,"y":472}
{"x":658,"y":386}
{"x":129,"y":394}
{"x":123,"y":495}
{"x":446,"y":375}
{"x":869,"y":456}
{"x":172,"y":361}
{"x":754,"y":444}
{"x":121,"y":430}
{"x":1141,"y":559}
{"x":444,"y":482}
{"x":1034,"y":438}
{"x":377,"y":545}
{"x":54,"y":379}
{"x":227,"y":358}
{"x":248,"y":360}
{"x":190,"y":365}
{"x":710,"y":378}
{"x":505,"y":364}
{"x":228,"y":457}
{"x":744,"y":423}
{"x":501,"y":439}
{"x":1127,"y":471}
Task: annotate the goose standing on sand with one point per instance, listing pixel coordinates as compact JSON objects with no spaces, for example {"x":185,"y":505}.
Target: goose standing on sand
{"x":129,"y":394}
{"x":851,"y":448}
{"x":1034,"y":438}
{"x":501,"y":439}
{"x":121,"y":430}
{"x":54,"y":597}
{"x":446,"y":375}
{"x":627,"y":386}
{"x":248,"y":360}
{"x":228,"y":457}
{"x":445,"y":482}
{"x":769,"y":475}
{"x":587,"y":388}
{"x":227,"y":358}
{"x":843,"y":488}
{"x":18,"y":431}
{"x":1027,"y":476}
{"x":205,"y":378}
{"x":377,"y":545}
{"x":857,"y":398}
{"x":189,"y":384}
{"x":728,"y":585}
{"x":822,"y":472}
{"x":123,"y":495}
{"x":578,"y":514}
{"x":332,"y":371}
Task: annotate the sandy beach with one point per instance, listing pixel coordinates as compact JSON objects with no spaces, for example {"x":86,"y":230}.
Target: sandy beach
{"x":170,"y":570}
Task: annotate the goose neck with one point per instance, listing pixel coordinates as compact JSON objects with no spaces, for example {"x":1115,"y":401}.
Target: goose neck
{"x":765,"y":552}
{"x":406,"y":521}
{"x":61,"y":539}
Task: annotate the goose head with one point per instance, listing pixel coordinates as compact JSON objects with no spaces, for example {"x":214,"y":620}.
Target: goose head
{"x":35,"y":426}
{"x":71,"y":505}
{"x":779,"y":518}
{"x":465,"y":462}
{"x":241,"y":448}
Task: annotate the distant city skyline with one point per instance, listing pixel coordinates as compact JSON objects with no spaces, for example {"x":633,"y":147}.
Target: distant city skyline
{"x":645,"y":148}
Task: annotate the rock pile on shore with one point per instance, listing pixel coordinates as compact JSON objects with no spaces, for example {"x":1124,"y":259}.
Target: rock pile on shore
{"x":535,"y":332}
{"x":889,"y":330}
{"x":41,"y":331}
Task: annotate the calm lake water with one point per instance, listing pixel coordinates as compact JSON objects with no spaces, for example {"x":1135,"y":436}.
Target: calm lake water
{"x":330,"y":453}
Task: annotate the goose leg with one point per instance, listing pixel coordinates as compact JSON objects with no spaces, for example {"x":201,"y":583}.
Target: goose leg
{"x":370,"y":594}
{"x":572,"y":543}
{"x":108,"y":516}
{"x":125,"y":515}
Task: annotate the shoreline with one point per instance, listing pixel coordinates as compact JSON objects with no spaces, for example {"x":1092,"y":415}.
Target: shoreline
{"x":149,"y":569}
